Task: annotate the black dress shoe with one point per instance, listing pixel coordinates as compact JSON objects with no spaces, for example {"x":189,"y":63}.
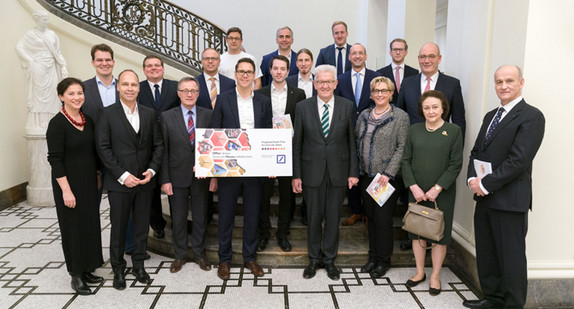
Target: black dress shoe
{"x":159,"y":234}
{"x":332,"y":271}
{"x":411,"y":283}
{"x":379,"y":271}
{"x":119,"y":280}
{"x":434,"y":292}
{"x":284,"y":244}
{"x":478,"y":304}
{"x":311,"y":270}
{"x":141,"y":275}
{"x":80,"y":286}
{"x":367,"y":268}
{"x":90,"y":278}
{"x":262,"y":243}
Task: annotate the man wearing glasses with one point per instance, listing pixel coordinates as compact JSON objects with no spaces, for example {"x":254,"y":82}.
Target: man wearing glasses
{"x":324,"y":165}
{"x":431,"y":79}
{"x":397,"y":70}
{"x":211,"y":83}
{"x":235,"y":52}
{"x":240,"y":109}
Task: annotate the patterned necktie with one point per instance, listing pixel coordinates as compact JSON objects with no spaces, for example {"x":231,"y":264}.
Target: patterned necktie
{"x":398,"y":78}
{"x":427,"y":88}
{"x":358,"y":88}
{"x":340,"y":61}
{"x":213,"y":92}
{"x":191,"y":127}
{"x":157,"y":95}
{"x":494,"y":123}
{"x":325,"y":120}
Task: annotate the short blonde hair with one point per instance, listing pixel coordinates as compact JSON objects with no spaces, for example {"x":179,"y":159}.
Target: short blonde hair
{"x":385,"y":80}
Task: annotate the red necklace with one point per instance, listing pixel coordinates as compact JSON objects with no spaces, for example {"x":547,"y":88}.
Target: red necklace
{"x":79,"y":124}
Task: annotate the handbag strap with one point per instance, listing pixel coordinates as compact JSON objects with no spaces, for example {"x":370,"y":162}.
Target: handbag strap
{"x":435,"y":205}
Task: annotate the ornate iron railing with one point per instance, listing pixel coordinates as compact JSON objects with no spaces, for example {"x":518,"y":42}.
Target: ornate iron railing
{"x":155,"y":26}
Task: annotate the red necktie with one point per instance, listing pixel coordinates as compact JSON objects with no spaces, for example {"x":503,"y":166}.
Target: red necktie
{"x":427,"y":88}
{"x":398,"y":78}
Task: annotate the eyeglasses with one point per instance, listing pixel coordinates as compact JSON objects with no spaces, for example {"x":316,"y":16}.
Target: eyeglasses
{"x":210,"y":59}
{"x":398,"y":50}
{"x":244,"y":73}
{"x":430,"y":57}
{"x":380,"y":91}
{"x":324,"y":82}
{"x":233,"y":38}
{"x":188,"y":91}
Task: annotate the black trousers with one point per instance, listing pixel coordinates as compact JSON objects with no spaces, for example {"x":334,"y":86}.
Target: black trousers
{"x":380,"y":223}
{"x":156,"y":220}
{"x":285,"y":211}
{"x":501,"y":255}
{"x":354,"y":199}
{"x":121,"y":203}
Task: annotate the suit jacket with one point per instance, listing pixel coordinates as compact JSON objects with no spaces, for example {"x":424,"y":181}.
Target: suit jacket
{"x":328,"y":55}
{"x":345,"y":90}
{"x":388,"y":72}
{"x":411,"y":92}
{"x":122,"y":150}
{"x":93,"y":105}
{"x":293,"y":81}
{"x":226,"y":112}
{"x":168,"y":98}
{"x":179,"y":154}
{"x":294,"y":96}
{"x":510,"y":150}
{"x":204,"y":99}
{"x":266,"y":79}
{"x":313,"y":154}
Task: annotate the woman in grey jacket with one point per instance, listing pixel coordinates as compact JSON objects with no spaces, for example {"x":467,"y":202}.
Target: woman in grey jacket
{"x":381,"y":134}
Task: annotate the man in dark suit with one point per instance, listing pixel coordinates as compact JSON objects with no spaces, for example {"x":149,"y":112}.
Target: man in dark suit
{"x":100,"y":91}
{"x":284,"y":98}
{"x":508,"y":140}
{"x":130,"y":146}
{"x":177,"y":174}
{"x":240,"y":109}
{"x":355,"y":86}
{"x":324,"y":165}
{"x":336,"y":54}
{"x":211,"y":83}
{"x":397,"y":70}
{"x":159,"y":94}
{"x":303,"y":80}
{"x":431,"y":79}
{"x":284,"y":41}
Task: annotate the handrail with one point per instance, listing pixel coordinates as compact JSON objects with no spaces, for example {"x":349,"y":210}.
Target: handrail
{"x":147,"y":26}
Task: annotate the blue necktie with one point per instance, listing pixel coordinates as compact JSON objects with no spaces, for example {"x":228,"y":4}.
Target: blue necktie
{"x":157,"y":95}
{"x":340,"y":61}
{"x":358,"y":89}
{"x":494,"y":123}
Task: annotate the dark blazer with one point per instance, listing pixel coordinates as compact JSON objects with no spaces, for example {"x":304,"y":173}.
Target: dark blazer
{"x":179,"y":155}
{"x":204,"y":99}
{"x":411,"y":92}
{"x":294,"y":96}
{"x":388,"y":72}
{"x":345,"y":90}
{"x":328,"y":55}
{"x":266,"y":79}
{"x":168,"y":98}
{"x":121,"y":149}
{"x":510,"y":150}
{"x":93,"y":105}
{"x":293,"y":81}
{"x":226,"y":113}
{"x":313,"y":154}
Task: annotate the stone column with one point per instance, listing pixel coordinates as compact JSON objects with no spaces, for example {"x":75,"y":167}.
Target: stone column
{"x":39,"y":189}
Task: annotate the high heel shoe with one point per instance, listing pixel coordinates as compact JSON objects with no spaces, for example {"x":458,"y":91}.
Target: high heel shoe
{"x":411,"y":283}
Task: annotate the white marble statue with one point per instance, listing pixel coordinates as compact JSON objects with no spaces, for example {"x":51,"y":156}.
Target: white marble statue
{"x":45,"y":67}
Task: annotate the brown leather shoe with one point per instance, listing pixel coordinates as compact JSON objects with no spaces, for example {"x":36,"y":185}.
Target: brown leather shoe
{"x":256,"y":270}
{"x":352,"y":219}
{"x":203,"y":264}
{"x":176,"y":265}
{"x":223,"y":270}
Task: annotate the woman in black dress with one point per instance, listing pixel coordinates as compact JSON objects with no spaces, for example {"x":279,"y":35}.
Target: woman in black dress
{"x":72,"y":155}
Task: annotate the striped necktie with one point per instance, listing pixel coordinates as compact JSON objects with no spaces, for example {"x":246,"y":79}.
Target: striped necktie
{"x":494,"y":124}
{"x":213,"y":92}
{"x":325,"y":120}
{"x":191,"y":127}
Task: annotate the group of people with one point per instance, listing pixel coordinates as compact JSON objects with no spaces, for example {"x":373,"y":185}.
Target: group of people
{"x":350,"y":124}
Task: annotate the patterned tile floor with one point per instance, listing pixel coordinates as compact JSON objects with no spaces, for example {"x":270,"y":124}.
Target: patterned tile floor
{"x":33,"y":275}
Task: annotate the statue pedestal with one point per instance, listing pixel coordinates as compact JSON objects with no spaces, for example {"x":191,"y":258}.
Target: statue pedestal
{"x":39,"y":189}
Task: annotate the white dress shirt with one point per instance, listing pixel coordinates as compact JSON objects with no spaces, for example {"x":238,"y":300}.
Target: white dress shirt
{"x":278,"y":100}
{"x":245,"y":110}
{"x":354,"y":78}
{"x":331,"y":105}
{"x":306,"y":85}
{"x":433,"y":80}
{"x":208,"y":83}
{"x":152,"y":87}
{"x":401,"y":71}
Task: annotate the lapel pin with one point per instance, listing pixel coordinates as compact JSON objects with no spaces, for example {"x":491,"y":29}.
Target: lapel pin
{"x":444,"y":133}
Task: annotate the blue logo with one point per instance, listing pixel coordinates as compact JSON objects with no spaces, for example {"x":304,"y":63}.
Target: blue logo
{"x":281,"y":159}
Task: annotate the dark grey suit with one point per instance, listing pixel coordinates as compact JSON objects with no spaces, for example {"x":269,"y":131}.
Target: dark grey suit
{"x":324,"y":166}
{"x":293,"y":81}
{"x":388,"y":73}
{"x":93,"y":105}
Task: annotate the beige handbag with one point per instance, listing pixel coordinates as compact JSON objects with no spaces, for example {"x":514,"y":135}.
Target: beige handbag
{"x":424,"y":221}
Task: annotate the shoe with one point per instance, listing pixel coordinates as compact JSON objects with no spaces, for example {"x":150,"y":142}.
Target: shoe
{"x":434,"y":292}
{"x":80,"y":286}
{"x":367,"y":268}
{"x":203,"y":264}
{"x":406,"y":245}
{"x":119,"y":280}
{"x":411,"y":283}
{"x":478,"y":304}
{"x":284,"y":244}
{"x":141,"y":275}
{"x":262,"y":243}
{"x":332,"y":271}
{"x":88,"y":277}
{"x":311,"y":270}
{"x":159,"y":234}
{"x":256,"y":270}
{"x":223,"y":270}
{"x":176,"y":265}
{"x":379,"y":271}
{"x":352,"y":219}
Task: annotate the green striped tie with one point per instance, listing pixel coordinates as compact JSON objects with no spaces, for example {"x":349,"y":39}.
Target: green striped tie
{"x":325,"y":120}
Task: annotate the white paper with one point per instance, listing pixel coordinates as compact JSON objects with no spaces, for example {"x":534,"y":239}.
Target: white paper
{"x":283,"y":122}
{"x":378,"y":193}
{"x":482,"y":168}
